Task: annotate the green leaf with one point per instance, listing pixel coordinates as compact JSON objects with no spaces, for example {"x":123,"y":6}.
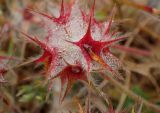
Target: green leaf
{"x":138,"y":90}
{"x":27,"y":97}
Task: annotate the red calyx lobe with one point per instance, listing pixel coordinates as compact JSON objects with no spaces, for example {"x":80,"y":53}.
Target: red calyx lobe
{"x":70,"y":74}
{"x":46,"y":58}
{"x":87,"y":43}
{"x":63,"y":17}
{"x":49,"y":55}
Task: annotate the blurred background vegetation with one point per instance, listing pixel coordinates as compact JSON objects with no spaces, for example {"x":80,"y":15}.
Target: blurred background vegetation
{"x":26,"y":89}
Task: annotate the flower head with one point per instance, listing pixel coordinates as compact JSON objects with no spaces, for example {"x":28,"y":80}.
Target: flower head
{"x":75,"y":43}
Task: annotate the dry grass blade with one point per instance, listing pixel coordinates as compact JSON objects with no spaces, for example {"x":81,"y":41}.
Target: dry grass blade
{"x":133,"y":95}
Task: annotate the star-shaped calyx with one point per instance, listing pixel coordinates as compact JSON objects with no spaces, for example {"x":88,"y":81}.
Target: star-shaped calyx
{"x":61,"y":19}
{"x":49,"y":56}
{"x":91,"y":48}
{"x":68,"y":76}
{"x":50,"y":23}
